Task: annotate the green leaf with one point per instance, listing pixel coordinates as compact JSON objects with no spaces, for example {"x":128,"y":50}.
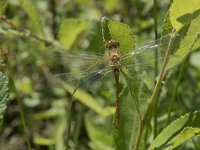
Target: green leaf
{"x":189,"y":34}
{"x":94,"y":36}
{"x":54,"y":112}
{"x":184,"y":135}
{"x":120,"y":32}
{"x":196,"y":45}
{"x":60,"y":131}
{"x":57,"y":112}
{"x":69,"y":31}
{"x":183,"y":11}
{"x":188,"y":30}
{"x":82,"y":96}
{"x":176,"y":130}
{"x":99,"y":136}
{"x":32,"y":12}
{"x":4,"y":94}
{"x":43,"y":141}
{"x":184,"y":16}
{"x":167,"y":26}
{"x":110,"y":5}
{"x":3,"y":6}
{"x":169,"y":131}
{"x":89,"y":101}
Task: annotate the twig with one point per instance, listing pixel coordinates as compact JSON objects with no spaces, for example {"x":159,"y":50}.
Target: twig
{"x":175,"y":91}
{"x":156,"y":64}
{"x":12,"y":85}
{"x":27,"y":32}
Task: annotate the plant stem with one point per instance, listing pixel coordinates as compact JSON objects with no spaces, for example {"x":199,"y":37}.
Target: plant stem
{"x":156,"y":63}
{"x":71,"y":101}
{"x":21,"y":111}
{"x":27,"y":32}
{"x":69,"y":119}
{"x":78,"y":128}
{"x":154,"y":95}
{"x":176,"y":89}
{"x":54,"y":25}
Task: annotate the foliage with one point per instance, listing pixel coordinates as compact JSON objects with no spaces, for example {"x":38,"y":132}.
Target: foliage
{"x":180,"y":130}
{"x":3,"y":5}
{"x":70,"y":28}
{"x":35,"y":21}
{"x":4,"y":94}
{"x":59,"y":36}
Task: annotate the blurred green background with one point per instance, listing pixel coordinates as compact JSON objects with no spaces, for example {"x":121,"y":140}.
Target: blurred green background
{"x":33,"y":27}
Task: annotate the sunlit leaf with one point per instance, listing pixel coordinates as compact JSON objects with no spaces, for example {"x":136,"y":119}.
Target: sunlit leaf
{"x":110,"y":5}
{"x":184,"y":135}
{"x":196,"y":45}
{"x":89,"y":101}
{"x":32,"y":12}
{"x":60,"y":131}
{"x":189,"y":34}
{"x":188,"y":29}
{"x":43,"y":141}
{"x":167,"y":26}
{"x":99,"y":136}
{"x":176,"y":131}
{"x":54,"y":112}
{"x":3,"y":5}
{"x":120,"y":32}
{"x":69,"y":31}
{"x":183,"y":11}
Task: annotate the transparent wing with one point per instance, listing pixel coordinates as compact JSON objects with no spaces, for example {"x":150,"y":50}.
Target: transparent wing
{"x":66,"y":61}
{"x":84,"y":80}
{"x":76,"y":68}
{"x":74,"y":59}
{"x":145,"y":55}
{"x":149,"y":54}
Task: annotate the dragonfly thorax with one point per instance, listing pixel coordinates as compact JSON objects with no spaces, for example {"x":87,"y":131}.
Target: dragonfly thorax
{"x":113,"y":54}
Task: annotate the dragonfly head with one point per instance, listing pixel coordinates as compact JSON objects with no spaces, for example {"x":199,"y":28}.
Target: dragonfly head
{"x":112,"y":44}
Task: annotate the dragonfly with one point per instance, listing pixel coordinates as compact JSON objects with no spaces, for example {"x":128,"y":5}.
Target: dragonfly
{"x":83,"y":69}
{"x":88,"y":68}
{"x":80,"y":68}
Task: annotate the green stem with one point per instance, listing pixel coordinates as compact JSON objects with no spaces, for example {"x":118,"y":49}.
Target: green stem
{"x":175,"y":91}
{"x":12,"y":85}
{"x":69,"y":119}
{"x":156,"y":63}
{"x":154,"y":95}
{"x":71,"y":107}
{"x":24,"y":32}
{"x":78,"y":129}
